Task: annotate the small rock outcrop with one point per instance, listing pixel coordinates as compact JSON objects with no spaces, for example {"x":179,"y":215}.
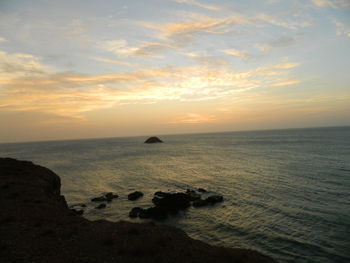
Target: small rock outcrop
{"x":170,"y":203}
{"x":135,"y":195}
{"x":36,"y":225}
{"x":153,"y":140}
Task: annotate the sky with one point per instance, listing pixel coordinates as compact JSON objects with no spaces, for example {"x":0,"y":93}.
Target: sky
{"x":74,"y":69}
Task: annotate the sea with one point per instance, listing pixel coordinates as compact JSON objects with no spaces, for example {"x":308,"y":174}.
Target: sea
{"x":286,"y":192}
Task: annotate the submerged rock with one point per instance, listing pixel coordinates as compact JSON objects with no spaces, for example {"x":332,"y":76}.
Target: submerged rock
{"x":135,"y":195}
{"x":208,"y":201}
{"x":153,"y":140}
{"x":135,"y":212}
{"x":105,"y":198}
{"x":100,"y":206}
{"x":193,"y":195}
{"x":110,"y":196}
{"x":199,"y":203}
{"x":215,"y":199}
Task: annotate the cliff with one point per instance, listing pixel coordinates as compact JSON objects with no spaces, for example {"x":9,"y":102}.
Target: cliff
{"x":37,"y":226}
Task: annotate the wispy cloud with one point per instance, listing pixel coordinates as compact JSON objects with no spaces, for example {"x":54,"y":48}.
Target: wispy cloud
{"x":236,"y":53}
{"x":2,"y":39}
{"x":285,"y":66}
{"x":286,"y":83}
{"x":194,"y":118}
{"x":196,"y":24}
{"x":332,"y":3}
{"x":323,"y":3}
{"x":341,"y":30}
{"x":198,"y":4}
{"x":146,"y":49}
{"x":290,"y":24}
{"x":114,"y":61}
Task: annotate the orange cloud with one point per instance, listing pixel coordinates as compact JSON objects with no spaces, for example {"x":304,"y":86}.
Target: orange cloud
{"x":72,"y":94}
{"x":194,"y":118}
{"x":185,"y":31}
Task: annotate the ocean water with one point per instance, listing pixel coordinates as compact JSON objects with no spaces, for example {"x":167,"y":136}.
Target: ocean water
{"x":287,"y":192}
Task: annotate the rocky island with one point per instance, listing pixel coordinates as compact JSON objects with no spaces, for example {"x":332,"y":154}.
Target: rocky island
{"x":36,"y":225}
{"x":153,"y":140}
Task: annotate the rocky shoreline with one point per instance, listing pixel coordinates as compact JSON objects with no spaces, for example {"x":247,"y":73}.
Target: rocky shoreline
{"x":36,"y":225}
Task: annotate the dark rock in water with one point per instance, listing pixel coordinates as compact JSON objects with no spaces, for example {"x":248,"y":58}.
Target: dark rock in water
{"x":105,"y":198}
{"x":199,"y":203}
{"x":158,"y":212}
{"x":135,"y":212}
{"x":144,"y":214}
{"x":100,"y":206}
{"x":101,"y":198}
{"x":202,"y":190}
{"x":174,"y":201}
{"x":215,"y":199}
{"x":153,"y":140}
{"x":110,"y":196}
{"x":193,"y":195}
{"x":135,"y":195}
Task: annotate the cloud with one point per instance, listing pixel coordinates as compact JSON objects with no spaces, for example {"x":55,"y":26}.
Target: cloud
{"x":114,"y":61}
{"x":195,"y":24}
{"x":28,"y":85}
{"x":286,"y":83}
{"x":236,"y":53}
{"x":341,"y":30}
{"x":146,"y":49}
{"x":286,"y":65}
{"x":2,"y":39}
{"x":19,"y":62}
{"x":292,"y":25}
{"x":323,"y":3}
{"x":280,"y":42}
{"x":172,"y":35}
{"x":194,"y":118}
{"x":332,"y":3}
{"x":198,"y":4}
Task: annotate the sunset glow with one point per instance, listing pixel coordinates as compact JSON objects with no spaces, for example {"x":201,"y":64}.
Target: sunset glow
{"x":82,"y":69}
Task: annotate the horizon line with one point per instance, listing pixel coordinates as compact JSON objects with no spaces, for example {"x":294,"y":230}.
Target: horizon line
{"x":173,"y":134}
